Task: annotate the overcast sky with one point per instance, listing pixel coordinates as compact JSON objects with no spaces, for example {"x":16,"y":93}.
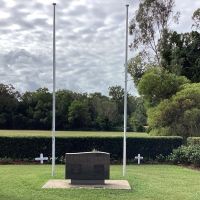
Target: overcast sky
{"x":90,"y":43}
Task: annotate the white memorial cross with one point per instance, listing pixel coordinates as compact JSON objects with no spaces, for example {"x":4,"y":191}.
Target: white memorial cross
{"x":41,"y":158}
{"x":138,"y":158}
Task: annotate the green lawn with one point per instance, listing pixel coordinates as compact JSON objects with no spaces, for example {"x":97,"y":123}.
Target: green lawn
{"x":28,"y":133}
{"x":148,"y":182}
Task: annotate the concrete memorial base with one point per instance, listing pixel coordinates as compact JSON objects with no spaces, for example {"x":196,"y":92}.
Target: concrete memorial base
{"x":66,"y":184}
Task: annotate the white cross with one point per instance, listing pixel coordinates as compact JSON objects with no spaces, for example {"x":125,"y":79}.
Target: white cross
{"x":138,"y":158}
{"x":41,"y":158}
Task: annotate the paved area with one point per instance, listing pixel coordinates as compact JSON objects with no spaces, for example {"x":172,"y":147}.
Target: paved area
{"x":66,"y":184}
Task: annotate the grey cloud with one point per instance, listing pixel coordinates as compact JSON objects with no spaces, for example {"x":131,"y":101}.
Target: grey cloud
{"x":77,"y":11}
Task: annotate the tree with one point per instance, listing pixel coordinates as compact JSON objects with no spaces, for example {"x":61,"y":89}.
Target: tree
{"x":33,"y":110}
{"x":9,"y":101}
{"x":179,"y":115}
{"x":64,"y":98}
{"x":150,"y":23}
{"x":79,"y":116}
{"x":117,"y":94}
{"x":138,"y":118}
{"x":108,"y":116}
{"x":196,"y":18}
{"x":181,"y":54}
{"x":158,"y":84}
{"x":38,"y":109}
{"x":137,"y":67}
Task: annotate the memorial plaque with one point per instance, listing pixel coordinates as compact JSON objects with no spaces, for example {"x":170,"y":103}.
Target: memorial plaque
{"x":87,"y":167}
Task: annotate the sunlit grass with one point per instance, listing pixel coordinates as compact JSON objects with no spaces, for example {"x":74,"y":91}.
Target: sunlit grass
{"x":28,"y":133}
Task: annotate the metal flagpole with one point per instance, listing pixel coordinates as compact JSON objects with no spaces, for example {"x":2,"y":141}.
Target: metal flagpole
{"x":54,"y":96}
{"x":125,"y":94}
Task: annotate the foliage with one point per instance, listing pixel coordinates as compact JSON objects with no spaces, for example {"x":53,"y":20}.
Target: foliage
{"x":108,"y":115}
{"x":158,"y":84}
{"x":35,"y":107}
{"x":79,"y":115}
{"x":116,"y":93}
{"x":151,"y":20}
{"x":138,"y":118}
{"x":64,"y":98}
{"x":179,"y":115}
{"x":137,"y":66}
{"x":8,"y":105}
{"x":74,"y":111}
{"x":104,"y":111}
{"x":180,"y":54}
{"x":196,"y":18}
{"x":186,"y":155}
{"x":30,"y":147}
{"x":135,"y":108}
{"x":193,"y":141}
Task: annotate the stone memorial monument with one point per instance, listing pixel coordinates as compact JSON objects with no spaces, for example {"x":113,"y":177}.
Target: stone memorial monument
{"x":87,"y":167}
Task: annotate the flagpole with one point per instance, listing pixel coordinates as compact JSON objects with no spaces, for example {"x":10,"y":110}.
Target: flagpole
{"x":125,"y":94}
{"x":54,"y":96}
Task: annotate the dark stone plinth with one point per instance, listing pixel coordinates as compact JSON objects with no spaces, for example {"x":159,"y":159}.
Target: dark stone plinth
{"x":87,"y":167}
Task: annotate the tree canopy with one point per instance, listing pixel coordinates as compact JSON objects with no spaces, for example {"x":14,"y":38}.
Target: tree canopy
{"x":179,"y":115}
{"x":158,"y":84}
{"x":149,"y":24}
{"x":180,"y":54}
{"x":166,"y":69}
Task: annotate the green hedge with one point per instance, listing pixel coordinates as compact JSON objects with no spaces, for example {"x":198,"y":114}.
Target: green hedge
{"x":193,"y":140}
{"x":30,"y":147}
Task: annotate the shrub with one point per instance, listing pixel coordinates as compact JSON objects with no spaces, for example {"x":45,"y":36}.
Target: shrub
{"x":186,"y":155}
{"x":31,"y":147}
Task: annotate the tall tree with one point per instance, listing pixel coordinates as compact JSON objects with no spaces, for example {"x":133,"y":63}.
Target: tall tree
{"x":64,"y":98}
{"x":79,"y":116}
{"x":196,"y":18}
{"x":38,"y":108}
{"x":9,"y":101}
{"x":117,"y":94}
{"x":150,"y":23}
{"x":138,"y":118}
{"x":181,"y":54}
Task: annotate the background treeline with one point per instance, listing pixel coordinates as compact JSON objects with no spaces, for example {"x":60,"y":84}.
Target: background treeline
{"x":74,"y":111}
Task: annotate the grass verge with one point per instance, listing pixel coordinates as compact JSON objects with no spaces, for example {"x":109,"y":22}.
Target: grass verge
{"x":148,"y":182}
{"x":28,"y":133}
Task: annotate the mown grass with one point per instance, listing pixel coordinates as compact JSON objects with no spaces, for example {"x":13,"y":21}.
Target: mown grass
{"x":28,"y":133}
{"x":148,"y":182}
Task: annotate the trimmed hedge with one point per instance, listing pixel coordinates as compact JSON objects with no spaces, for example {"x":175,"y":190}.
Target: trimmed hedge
{"x":31,"y":147}
{"x":193,"y":140}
